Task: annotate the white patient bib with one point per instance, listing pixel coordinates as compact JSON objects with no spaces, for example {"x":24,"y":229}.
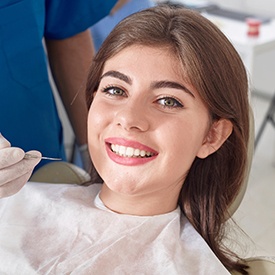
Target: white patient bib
{"x":57,"y":229}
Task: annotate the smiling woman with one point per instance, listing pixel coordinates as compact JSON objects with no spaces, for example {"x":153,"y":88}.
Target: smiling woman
{"x":161,"y":75}
{"x":167,"y":131}
{"x":150,"y":109}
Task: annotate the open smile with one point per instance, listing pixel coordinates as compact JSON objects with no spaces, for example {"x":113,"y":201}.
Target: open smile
{"x":130,"y":152}
{"x":127,"y":152}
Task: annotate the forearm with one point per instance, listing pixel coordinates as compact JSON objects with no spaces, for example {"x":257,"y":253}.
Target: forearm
{"x":69,"y":61}
{"x":118,"y":5}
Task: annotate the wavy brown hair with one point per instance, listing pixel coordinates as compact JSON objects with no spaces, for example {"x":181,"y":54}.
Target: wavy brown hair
{"x":213,"y":67}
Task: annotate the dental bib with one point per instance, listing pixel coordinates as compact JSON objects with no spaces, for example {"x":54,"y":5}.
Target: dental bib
{"x":66,"y":229}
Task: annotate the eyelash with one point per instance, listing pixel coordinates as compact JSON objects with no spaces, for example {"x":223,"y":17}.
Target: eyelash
{"x":108,"y":88}
{"x":176,"y":102}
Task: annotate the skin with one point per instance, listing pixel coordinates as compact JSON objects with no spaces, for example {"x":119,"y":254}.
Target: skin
{"x":143,"y":100}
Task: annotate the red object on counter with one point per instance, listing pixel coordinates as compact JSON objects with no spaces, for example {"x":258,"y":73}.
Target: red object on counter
{"x":253,"y":26}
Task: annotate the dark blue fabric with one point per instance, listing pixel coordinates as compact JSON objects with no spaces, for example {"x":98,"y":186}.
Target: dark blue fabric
{"x":28,"y":114}
{"x":66,"y":17}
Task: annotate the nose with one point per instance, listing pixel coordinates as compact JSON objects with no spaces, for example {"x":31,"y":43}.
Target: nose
{"x":133,"y":117}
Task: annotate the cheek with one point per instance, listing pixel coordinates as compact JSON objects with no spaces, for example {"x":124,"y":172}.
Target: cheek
{"x":96,"y":122}
{"x":96,"y":119}
{"x":91,"y":124}
{"x":187,"y":140}
{"x":95,"y":128}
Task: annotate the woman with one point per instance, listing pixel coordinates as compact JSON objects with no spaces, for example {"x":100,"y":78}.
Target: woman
{"x":167,"y":131}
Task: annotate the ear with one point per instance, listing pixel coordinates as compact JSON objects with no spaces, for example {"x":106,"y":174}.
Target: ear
{"x":218,"y":133}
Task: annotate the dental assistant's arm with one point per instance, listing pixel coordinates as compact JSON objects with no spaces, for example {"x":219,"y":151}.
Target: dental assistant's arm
{"x":70,"y":59}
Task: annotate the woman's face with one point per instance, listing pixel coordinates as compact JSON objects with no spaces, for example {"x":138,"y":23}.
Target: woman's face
{"x":146,"y":124}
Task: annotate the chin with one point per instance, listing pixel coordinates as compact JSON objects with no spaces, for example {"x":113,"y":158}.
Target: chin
{"x":122,"y":186}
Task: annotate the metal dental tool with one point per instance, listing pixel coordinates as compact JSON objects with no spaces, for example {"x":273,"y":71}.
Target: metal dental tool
{"x":30,"y":156}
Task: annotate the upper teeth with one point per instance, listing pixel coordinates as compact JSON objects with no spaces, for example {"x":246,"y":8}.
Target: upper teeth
{"x":129,"y":151}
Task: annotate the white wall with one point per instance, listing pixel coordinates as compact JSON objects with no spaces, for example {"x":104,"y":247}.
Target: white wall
{"x":261,"y":7}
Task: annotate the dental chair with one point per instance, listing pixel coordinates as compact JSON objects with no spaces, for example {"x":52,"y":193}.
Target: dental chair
{"x":65,"y":172}
{"x":61,"y":172}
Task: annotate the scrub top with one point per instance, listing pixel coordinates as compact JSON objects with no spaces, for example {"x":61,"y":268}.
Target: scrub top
{"x":101,"y":29}
{"x":28,"y":113}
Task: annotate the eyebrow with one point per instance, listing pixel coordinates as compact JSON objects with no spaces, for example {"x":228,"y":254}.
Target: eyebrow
{"x":171,"y":84}
{"x":154,"y":85}
{"x":118,"y":75}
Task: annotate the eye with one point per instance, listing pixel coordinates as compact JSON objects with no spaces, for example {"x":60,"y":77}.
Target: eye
{"x":169,"y":102}
{"x":113,"y":91}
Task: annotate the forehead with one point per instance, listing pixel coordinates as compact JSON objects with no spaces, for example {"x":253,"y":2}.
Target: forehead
{"x":147,"y":64}
{"x":148,"y":58}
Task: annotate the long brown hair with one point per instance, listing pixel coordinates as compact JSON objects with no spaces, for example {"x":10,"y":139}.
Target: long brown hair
{"x":216,"y":71}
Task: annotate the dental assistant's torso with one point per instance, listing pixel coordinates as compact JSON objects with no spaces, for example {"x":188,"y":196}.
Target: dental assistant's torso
{"x":28,"y":114}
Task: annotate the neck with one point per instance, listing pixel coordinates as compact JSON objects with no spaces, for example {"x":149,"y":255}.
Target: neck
{"x":138,"y":205}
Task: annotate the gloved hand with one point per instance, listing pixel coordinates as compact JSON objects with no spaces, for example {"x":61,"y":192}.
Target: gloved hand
{"x":14,"y":169}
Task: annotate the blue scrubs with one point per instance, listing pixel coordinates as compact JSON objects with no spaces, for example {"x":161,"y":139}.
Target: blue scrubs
{"x":28,"y":113}
{"x":101,"y":29}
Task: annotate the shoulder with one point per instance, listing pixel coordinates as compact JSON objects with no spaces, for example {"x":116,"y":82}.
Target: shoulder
{"x":68,"y":192}
{"x":37,"y":194}
{"x":83,"y":14}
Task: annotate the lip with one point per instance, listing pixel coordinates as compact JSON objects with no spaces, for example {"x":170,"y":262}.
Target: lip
{"x":128,"y":161}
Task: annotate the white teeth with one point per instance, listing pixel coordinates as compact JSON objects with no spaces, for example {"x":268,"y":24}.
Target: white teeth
{"x":129,"y":151}
{"x":136,"y":152}
{"x":122,"y":150}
